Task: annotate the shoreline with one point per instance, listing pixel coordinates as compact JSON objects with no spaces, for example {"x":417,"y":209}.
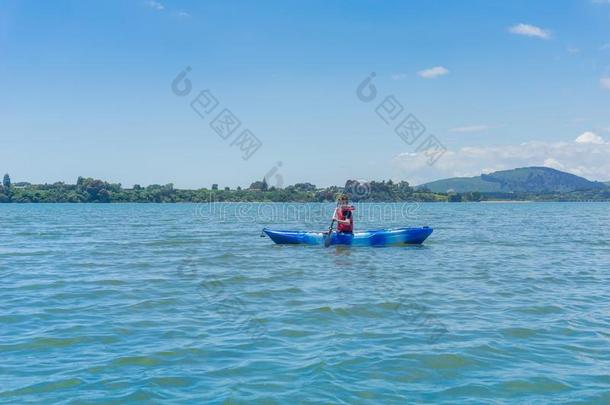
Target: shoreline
{"x":299,"y":202}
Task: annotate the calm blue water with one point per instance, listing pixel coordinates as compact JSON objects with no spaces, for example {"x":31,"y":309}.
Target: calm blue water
{"x":504,"y":303}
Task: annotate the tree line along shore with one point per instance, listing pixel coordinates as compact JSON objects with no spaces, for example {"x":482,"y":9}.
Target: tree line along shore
{"x":89,"y":190}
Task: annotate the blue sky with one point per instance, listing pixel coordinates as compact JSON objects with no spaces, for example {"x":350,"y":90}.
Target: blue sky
{"x":86,"y":88}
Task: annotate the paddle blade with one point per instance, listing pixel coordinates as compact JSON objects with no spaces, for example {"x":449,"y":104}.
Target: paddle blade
{"x":328,"y":239}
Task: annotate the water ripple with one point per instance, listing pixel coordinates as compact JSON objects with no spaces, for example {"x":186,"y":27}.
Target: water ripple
{"x":128,"y":303}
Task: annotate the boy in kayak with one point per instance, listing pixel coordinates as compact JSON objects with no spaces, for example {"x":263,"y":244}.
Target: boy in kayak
{"x":343,"y":216}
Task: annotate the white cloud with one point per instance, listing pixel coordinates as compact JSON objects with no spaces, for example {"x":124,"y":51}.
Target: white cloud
{"x":605,"y":82}
{"x":530,"y":31}
{"x":589,"y":137}
{"x":399,"y":76}
{"x":471,"y":128}
{"x":433,"y":73}
{"x":585,"y":156}
{"x":605,"y":47}
{"x":552,"y":163}
{"x":155,"y":5}
{"x":572,"y":49}
{"x":183,"y":14}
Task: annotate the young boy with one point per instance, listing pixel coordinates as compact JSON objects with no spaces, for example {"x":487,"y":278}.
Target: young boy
{"x":343,"y":216}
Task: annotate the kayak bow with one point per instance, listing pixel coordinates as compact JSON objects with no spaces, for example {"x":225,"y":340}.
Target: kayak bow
{"x":380,"y":237}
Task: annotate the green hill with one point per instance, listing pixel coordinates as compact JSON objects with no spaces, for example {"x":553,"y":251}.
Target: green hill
{"x":525,"y":180}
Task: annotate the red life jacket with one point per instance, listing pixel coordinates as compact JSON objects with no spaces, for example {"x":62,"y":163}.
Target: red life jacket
{"x":342,"y":214}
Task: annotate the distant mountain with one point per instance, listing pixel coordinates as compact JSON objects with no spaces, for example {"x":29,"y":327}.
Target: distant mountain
{"x":525,"y":180}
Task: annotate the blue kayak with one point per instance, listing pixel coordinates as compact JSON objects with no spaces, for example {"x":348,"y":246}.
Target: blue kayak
{"x":380,"y":237}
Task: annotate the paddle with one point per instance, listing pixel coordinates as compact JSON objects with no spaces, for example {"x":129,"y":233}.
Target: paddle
{"x":328,"y":238}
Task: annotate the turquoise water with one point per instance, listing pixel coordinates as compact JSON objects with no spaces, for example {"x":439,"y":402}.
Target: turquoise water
{"x":119,"y":303}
